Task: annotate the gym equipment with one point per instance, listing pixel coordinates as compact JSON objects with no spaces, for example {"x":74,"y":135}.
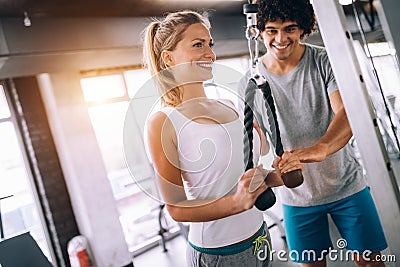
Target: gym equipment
{"x":22,"y":251}
{"x":292,"y":179}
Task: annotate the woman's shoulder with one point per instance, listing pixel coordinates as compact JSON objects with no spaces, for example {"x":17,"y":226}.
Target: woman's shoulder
{"x":227,"y":102}
{"x":157,"y":120}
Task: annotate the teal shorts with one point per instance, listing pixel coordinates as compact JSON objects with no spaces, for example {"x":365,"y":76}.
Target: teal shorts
{"x":355,"y":217}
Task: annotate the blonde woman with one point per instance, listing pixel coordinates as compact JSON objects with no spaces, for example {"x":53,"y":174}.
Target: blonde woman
{"x":196,"y":147}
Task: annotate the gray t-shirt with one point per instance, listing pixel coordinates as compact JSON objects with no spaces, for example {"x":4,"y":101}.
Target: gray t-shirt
{"x":304,"y":114}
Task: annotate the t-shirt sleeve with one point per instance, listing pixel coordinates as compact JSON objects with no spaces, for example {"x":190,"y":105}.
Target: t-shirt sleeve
{"x":329,"y":78}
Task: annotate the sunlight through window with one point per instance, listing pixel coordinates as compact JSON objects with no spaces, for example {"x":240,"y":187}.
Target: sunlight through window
{"x":98,"y":89}
{"x":4,"y":110}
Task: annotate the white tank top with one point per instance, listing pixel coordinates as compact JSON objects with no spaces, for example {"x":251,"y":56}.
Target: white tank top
{"x":211,"y":162}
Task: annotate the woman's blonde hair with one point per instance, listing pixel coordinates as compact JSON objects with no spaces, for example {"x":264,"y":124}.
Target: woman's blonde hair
{"x":164,"y":36}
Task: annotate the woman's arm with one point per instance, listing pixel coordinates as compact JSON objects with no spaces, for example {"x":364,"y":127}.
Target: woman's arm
{"x":160,"y":134}
{"x":264,"y":149}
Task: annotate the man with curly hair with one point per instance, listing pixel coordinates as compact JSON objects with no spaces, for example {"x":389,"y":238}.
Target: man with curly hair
{"x":314,"y":126}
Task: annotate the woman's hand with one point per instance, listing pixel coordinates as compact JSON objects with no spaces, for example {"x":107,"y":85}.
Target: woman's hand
{"x":250,"y":185}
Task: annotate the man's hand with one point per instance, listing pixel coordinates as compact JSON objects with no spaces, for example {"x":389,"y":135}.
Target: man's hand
{"x":287,"y":162}
{"x":315,"y":153}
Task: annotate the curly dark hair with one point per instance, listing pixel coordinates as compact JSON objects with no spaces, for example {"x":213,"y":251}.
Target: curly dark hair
{"x":300,"y":11}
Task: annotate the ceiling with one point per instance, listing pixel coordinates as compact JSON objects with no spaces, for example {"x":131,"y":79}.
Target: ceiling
{"x":101,"y":33}
{"x":121,"y":8}
{"x":153,"y":8}
{"x":112,"y":8}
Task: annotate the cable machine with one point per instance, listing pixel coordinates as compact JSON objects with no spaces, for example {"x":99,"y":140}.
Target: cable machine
{"x":382,"y":171}
{"x":258,"y":82}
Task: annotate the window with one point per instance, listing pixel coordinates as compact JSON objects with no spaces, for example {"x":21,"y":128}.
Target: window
{"x":384,"y":92}
{"x":102,"y":88}
{"x":19,"y":209}
{"x":108,"y":98}
{"x":4,"y":109}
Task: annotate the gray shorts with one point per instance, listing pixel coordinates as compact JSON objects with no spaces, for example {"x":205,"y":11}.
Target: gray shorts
{"x":250,"y":257}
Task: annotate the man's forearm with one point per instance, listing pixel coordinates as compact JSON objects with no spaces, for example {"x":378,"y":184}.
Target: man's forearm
{"x":338,"y":133}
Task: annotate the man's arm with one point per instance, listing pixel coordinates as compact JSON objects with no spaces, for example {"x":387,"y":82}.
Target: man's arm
{"x":336,"y":137}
